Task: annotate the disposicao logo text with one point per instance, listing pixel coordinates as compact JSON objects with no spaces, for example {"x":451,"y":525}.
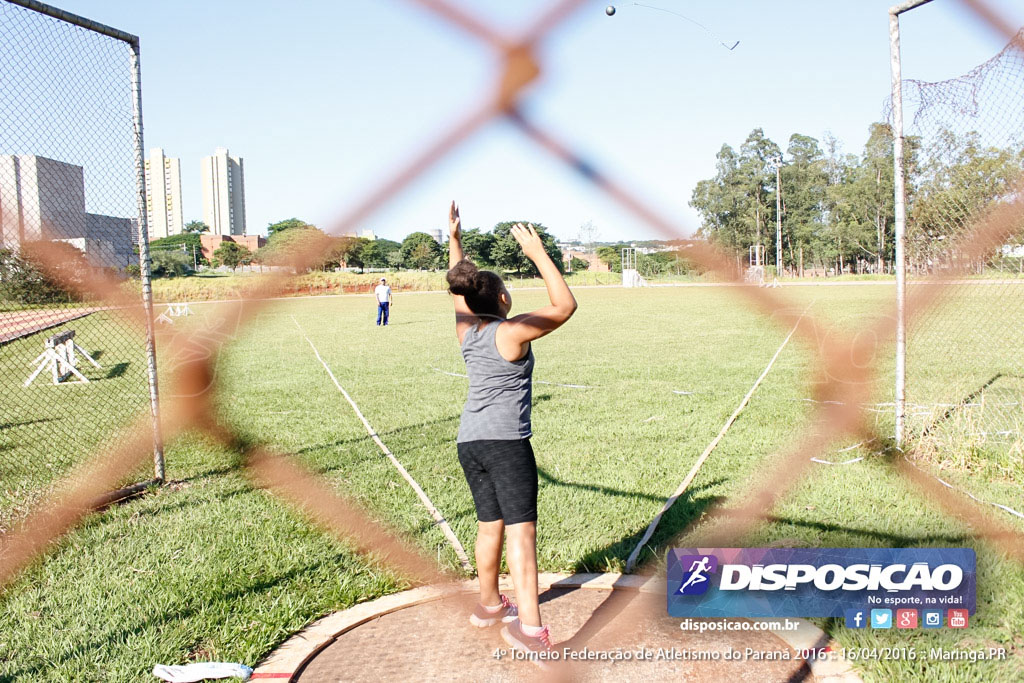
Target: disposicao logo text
{"x":811,"y":582}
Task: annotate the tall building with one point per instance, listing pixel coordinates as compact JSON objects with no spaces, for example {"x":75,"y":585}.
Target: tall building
{"x":44,"y":200}
{"x":40,"y":199}
{"x":223,"y":193}
{"x":163,"y":195}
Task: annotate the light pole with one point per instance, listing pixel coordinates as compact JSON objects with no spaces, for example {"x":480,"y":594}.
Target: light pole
{"x":776,"y":163}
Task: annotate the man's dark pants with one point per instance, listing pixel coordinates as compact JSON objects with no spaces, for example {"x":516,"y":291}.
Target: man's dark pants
{"x":382,"y":311}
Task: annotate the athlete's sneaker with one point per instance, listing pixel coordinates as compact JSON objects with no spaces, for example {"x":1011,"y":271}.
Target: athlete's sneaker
{"x":482,"y":618}
{"x":537,"y":647}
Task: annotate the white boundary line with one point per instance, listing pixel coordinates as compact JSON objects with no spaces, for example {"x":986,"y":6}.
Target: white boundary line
{"x":631,"y":562}
{"x":434,"y":512}
{"x":1004,"y":508}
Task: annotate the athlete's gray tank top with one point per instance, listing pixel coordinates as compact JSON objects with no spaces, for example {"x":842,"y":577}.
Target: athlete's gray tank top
{"x":498,"y":406}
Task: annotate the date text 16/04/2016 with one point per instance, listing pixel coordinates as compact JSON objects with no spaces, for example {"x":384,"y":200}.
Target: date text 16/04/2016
{"x":644,"y":654}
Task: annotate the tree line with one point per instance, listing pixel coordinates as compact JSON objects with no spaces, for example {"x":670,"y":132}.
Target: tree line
{"x":289,"y":238}
{"x":838,"y":209}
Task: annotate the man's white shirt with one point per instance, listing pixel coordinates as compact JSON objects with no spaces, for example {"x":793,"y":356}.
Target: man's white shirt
{"x":383,"y":293}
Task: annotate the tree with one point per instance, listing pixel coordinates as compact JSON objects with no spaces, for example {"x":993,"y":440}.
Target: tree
{"x":960,"y":180}
{"x":577,"y":264}
{"x":804,"y":186}
{"x":611,"y":256}
{"x":285,"y":245}
{"x":375,"y":253}
{"x":871,"y":193}
{"x":508,"y":255}
{"x":188,"y":242}
{"x":737,"y":204}
{"x":29,"y":278}
{"x":758,"y":179}
{"x":346,"y":252}
{"x":421,"y":251}
{"x":395,"y":259}
{"x":286,"y":224}
{"x":196,"y":227}
{"x":477,"y":246}
{"x":170,"y":263}
{"x":232,"y":255}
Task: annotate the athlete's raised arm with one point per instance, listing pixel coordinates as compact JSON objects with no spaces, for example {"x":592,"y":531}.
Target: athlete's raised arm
{"x":525,"y":327}
{"x":463,"y":316}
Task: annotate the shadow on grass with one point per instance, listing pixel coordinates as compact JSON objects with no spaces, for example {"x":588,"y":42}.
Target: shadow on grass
{"x":382,"y":435}
{"x":117,"y":370}
{"x":884,"y":540}
{"x":191,"y":502}
{"x":24,"y":423}
{"x":966,"y":400}
{"x":685,"y":510}
{"x":607,"y":490}
{"x":224,"y":600}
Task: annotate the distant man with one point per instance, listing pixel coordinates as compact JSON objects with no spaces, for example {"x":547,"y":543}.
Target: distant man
{"x":383,"y":294}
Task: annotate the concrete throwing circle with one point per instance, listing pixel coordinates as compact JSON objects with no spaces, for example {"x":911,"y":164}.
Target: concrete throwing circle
{"x":422,"y":634}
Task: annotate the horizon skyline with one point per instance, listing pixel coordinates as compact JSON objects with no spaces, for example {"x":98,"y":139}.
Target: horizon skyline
{"x":645,"y":97}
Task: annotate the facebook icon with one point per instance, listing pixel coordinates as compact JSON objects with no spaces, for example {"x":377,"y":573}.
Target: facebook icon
{"x":856,"y":618}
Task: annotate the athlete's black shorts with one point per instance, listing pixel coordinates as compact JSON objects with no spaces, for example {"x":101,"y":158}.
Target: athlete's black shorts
{"x":502,"y":476}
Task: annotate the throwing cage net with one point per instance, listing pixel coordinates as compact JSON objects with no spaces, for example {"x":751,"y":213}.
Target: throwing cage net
{"x":965,"y":356}
{"x":73,"y":367}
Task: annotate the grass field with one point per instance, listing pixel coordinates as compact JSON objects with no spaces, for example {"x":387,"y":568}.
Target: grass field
{"x":46,"y":428}
{"x":210,"y":568}
{"x":213,"y":286}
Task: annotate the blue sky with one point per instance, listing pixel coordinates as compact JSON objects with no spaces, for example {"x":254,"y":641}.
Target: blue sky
{"x":324,"y":99}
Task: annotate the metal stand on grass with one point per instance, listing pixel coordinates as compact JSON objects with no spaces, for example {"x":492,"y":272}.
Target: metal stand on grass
{"x":59,"y":356}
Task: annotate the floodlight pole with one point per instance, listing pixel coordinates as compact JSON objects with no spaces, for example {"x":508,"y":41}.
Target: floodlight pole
{"x":777,"y":163}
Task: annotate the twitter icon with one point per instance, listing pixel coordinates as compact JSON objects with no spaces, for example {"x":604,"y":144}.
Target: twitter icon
{"x":881,"y":618}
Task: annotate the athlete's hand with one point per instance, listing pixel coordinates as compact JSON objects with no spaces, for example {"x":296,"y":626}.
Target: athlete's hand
{"x":454,"y":223}
{"x":529,"y":240}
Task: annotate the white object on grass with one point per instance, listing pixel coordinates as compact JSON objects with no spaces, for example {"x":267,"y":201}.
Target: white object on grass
{"x":174,"y":310}
{"x":829,"y":462}
{"x":200,"y":671}
{"x":59,"y":356}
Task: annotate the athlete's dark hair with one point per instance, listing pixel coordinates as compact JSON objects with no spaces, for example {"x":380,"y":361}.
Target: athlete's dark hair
{"x":482,"y":288}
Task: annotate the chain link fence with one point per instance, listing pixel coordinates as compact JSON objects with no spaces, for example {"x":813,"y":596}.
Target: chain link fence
{"x":963,"y":158}
{"x":845,"y":362}
{"x":73,"y":367}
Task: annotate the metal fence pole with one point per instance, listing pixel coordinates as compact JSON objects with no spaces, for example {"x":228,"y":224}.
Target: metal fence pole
{"x":144,"y":263}
{"x":900,"y":213}
{"x":901,"y":224}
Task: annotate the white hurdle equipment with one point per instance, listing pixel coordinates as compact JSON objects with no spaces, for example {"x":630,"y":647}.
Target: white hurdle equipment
{"x":174,"y":310}
{"x":59,"y":356}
